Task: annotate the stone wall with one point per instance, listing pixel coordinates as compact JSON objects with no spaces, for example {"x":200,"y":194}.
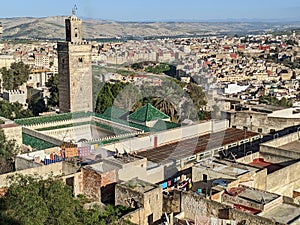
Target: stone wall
{"x":171,"y":203}
{"x":133,"y":169}
{"x":55,"y":169}
{"x":127,"y":196}
{"x":282,"y":140}
{"x":155,"y":175}
{"x":136,"y":217}
{"x":172,"y":135}
{"x":248,"y":158}
{"x":281,"y":153}
{"x":13,"y":131}
{"x":99,"y":186}
{"x":151,"y":201}
{"x":284,"y":181}
{"x":280,"y":159}
{"x":108,"y":183}
{"x":15,"y":96}
{"x":256,"y":120}
{"x":194,"y":205}
{"x":60,"y":170}
{"x":91,"y":184}
{"x":22,"y":164}
{"x":77,"y":184}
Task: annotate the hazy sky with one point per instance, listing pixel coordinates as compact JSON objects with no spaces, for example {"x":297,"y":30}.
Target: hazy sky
{"x":153,"y":10}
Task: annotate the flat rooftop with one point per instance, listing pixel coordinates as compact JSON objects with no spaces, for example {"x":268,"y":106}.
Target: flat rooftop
{"x":139,"y":185}
{"x":288,"y":113}
{"x":261,"y":163}
{"x":185,"y":148}
{"x":249,"y":199}
{"x":113,"y":163}
{"x":225,"y":167}
{"x":253,"y":195}
{"x":283,"y":213}
{"x":292,"y":146}
{"x":266,"y":108}
{"x":123,"y":159}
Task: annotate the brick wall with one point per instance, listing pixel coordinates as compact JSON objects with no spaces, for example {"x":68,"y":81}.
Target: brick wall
{"x":91,"y":184}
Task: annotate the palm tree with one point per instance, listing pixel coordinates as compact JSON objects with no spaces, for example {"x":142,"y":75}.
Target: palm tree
{"x":165,"y":106}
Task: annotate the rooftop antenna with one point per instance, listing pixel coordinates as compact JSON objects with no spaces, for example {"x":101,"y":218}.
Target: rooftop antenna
{"x":74,"y":10}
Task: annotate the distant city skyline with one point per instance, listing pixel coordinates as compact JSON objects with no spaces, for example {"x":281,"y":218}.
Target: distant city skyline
{"x":157,"y":10}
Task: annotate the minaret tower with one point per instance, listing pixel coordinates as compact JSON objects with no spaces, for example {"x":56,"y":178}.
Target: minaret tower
{"x":74,"y":69}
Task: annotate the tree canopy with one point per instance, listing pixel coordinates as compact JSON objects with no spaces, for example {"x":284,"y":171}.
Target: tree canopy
{"x":37,"y":106}
{"x":14,"y":77}
{"x":8,"y":150}
{"x":13,"y":110}
{"x":105,"y":98}
{"x":272,"y":100}
{"x":36,"y":201}
{"x":52,"y":84}
{"x":169,"y":97}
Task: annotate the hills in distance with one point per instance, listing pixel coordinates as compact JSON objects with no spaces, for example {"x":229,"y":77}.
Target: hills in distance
{"x":52,"y":28}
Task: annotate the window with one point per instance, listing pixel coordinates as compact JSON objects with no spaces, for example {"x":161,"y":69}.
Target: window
{"x":204,"y":178}
{"x":233,"y":126}
{"x":272,"y":130}
{"x":80,"y":60}
{"x":259,"y":130}
{"x":76,"y":32}
{"x":245,"y":128}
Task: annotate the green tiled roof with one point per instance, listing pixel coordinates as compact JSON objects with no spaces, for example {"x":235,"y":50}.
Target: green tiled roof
{"x":147,"y":113}
{"x":114,"y":112}
{"x":124,"y":122}
{"x":36,"y":143}
{"x":52,"y":118}
{"x":161,"y":125}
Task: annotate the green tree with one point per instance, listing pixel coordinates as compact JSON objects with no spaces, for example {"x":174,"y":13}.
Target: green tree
{"x":116,"y":88}
{"x":13,"y":110}
{"x":37,"y":201}
{"x":97,"y":86}
{"x":105,"y":98}
{"x":14,"y":77}
{"x":197,"y":95}
{"x":158,"y":69}
{"x":128,"y":97}
{"x":52,"y":84}
{"x":271,"y":100}
{"x":37,"y":106}
{"x":32,"y":200}
{"x":8,"y":151}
